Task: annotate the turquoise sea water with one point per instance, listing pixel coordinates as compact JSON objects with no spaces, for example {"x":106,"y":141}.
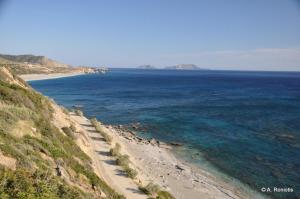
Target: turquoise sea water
{"x":245,"y":124}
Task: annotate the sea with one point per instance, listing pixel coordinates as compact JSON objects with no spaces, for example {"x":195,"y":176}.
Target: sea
{"x":244,"y":125}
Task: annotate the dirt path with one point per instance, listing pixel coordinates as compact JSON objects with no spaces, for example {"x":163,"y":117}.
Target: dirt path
{"x":105,"y":164}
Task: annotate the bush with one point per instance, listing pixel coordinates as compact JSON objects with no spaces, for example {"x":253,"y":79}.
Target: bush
{"x":116,"y":150}
{"x":78,"y":112}
{"x":68,"y":131}
{"x":73,"y":128}
{"x":25,"y":184}
{"x":150,"y":189}
{"x":154,"y":190}
{"x":101,"y":130}
{"x":7,"y":121}
{"x":106,"y":137}
{"x":164,"y":195}
{"x":64,"y":110}
{"x":131,"y":173}
{"x":94,"y":121}
{"x":122,"y":160}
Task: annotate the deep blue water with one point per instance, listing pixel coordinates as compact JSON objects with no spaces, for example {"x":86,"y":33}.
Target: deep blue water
{"x":247,"y":124}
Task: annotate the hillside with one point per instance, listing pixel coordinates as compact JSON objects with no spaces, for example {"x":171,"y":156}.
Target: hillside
{"x":31,"y":64}
{"x":42,"y":150}
{"x":32,"y":59}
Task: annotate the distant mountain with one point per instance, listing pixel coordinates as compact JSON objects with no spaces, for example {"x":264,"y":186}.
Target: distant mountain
{"x":31,"y":64}
{"x":184,"y":67}
{"x":32,"y":59}
{"x":146,"y":67}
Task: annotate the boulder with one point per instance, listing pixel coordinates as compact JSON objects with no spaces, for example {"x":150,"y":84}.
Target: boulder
{"x":153,"y":141}
{"x":176,"y":144}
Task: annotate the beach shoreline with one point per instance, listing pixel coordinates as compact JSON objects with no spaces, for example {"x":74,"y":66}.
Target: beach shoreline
{"x":36,"y":77}
{"x":155,"y":162}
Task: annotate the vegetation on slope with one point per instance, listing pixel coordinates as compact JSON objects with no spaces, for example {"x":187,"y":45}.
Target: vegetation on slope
{"x":101,"y":130}
{"x":31,"y":64}
{"x":123,"y":161}
{"x":49,"y":164}
{"x":41,"y":60}
{"x":154,"y":191}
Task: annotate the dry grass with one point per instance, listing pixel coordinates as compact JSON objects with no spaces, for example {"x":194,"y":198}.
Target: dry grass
{"x":100,"y":129}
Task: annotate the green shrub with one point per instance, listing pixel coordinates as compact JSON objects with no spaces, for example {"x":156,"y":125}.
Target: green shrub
{"x":65,"y":110}
{"x":122,"y":160}
{"x":37,"y":146}
{"x":116,"y":150}
{"x":131,"y":173}
{"x":164,"y":195}
{"x":7,"y":121}
{"x":25,"y":184}
{"x":73,"y":128}
{"x":107,"y":137}
{"x":100,"y":130}
{"x":21,"y":112}
{"x":154,"y":190}
{"x":94,"y":121}
{"x":18,"y":96}
{"x":150,"y":189}
{"x":78,"y":112}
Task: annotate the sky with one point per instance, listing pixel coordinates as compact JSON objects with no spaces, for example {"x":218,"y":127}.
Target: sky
{"x":215,"y":34}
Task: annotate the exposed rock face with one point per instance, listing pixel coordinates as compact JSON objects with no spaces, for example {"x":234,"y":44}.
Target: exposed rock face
{"x":7,"y":76}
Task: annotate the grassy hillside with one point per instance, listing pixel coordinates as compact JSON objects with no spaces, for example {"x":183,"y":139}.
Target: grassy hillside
{"x":41,"y":60}
{"x":45,"y":162}
{"x":31,"y":64}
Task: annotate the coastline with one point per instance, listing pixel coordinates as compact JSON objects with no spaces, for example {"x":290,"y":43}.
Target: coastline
{"x":154,"y":161}
{"x":35,"y":77}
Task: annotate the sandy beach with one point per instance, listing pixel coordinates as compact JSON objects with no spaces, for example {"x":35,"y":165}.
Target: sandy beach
{"x":33,"y":77}
{"x":154,"y":163}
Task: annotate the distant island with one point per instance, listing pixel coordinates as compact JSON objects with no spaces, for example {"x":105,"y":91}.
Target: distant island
{"x":184,"y":67}
{"x":146,"y":67}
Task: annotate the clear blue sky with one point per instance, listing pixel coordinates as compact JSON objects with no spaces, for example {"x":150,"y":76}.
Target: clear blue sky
{"x":218,"y":34}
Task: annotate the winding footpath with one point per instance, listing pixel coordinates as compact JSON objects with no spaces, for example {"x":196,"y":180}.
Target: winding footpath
{"x":105,"y":165}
